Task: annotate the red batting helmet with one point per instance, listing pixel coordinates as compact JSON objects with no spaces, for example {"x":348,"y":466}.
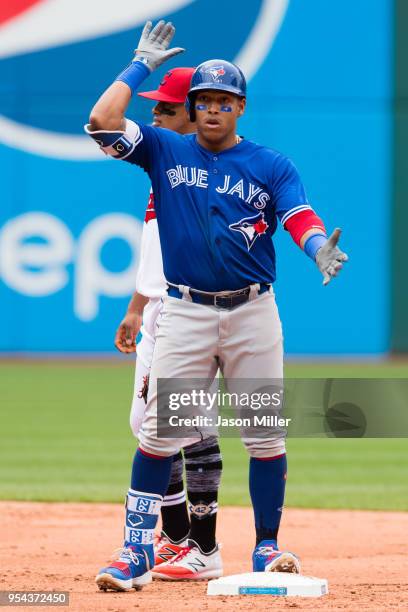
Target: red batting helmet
{"x":173,"y":88}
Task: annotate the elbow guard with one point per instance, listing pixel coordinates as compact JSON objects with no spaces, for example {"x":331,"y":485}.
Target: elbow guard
{"x":117,"y":144}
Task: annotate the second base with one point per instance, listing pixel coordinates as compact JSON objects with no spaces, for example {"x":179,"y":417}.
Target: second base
{"x":269,"y":583}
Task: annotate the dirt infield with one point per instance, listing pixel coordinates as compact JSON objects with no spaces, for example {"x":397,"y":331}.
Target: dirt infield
{"x":61,"y":546}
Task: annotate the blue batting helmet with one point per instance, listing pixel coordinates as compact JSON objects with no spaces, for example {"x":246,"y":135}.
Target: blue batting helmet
{"x":215,"y":74}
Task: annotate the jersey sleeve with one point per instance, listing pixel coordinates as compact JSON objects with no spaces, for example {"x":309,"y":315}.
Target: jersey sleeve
{"x":288,"y":192}
{"x":150,"y":213}
{"x":138,"y":144}
{"x":150,"y":280}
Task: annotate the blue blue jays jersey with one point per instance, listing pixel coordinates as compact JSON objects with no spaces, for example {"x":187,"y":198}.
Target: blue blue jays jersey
{"x":216,"y":212}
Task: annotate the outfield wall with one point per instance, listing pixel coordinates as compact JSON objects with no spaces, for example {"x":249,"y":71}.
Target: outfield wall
{"x":320,"y":90}
{"x":399,"y":335}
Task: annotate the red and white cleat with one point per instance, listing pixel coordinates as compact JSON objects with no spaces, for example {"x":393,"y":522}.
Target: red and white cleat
{"x":191,"y":564}
{"x":166,"y":550}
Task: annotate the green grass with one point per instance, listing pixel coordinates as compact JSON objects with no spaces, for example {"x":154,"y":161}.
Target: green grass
{"x":64,"y":436}
{"x":334,"y":473}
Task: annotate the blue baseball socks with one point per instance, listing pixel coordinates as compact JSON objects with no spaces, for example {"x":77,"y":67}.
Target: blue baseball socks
{"x":267,"y":480}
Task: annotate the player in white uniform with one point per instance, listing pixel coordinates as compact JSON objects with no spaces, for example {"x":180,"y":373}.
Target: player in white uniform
{"x":203,"y":459}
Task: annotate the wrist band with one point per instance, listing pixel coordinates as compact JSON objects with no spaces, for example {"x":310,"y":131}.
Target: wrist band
{"x":313,"y":244}
{"x":134,"y":75}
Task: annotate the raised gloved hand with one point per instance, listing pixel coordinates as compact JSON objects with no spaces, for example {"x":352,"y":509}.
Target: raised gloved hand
{"x":153,"y":48}
{"x":329,"y":258}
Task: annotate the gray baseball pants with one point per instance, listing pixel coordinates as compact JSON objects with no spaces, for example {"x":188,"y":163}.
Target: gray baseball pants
{"x":194,"y":340}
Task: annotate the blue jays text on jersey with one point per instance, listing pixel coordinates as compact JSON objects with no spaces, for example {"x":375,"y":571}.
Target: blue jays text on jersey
{"x":216,"y":212}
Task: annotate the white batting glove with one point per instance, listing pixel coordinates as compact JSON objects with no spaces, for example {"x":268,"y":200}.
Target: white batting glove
{"x":329,"y":258}
{"x":153,"y":48}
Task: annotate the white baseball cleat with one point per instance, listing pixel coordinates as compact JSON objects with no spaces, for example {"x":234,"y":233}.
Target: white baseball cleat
{"x":191,"y":564}
{"x":165,"y":550}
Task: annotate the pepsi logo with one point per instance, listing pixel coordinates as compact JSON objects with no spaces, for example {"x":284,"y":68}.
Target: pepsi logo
{"x":11,"y":10}
{"x":57,"y":56}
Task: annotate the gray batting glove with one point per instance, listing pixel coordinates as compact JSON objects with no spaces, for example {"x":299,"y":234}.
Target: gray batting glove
{"x":153,"y":45}
{"x":329,"y":258}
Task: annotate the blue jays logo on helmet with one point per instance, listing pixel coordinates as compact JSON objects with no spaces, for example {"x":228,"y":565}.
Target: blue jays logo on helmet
{"x":251,"y":228}
{"x":216,"y":71}
{"x":59,"y":44}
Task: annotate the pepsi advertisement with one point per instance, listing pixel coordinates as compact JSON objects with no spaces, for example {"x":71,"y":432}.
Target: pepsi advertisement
{"x":319,"y":90}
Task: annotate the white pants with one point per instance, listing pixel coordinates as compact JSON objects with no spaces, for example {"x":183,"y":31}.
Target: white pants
{"x":144,"y":356}
{"x":193,"y":340}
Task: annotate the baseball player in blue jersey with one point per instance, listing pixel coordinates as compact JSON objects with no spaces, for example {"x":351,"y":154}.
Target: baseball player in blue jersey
{"x":202,"y":460}
{"x":218,"y":200}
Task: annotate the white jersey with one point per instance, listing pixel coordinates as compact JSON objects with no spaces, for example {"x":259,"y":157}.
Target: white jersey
{"x":150,"y":280}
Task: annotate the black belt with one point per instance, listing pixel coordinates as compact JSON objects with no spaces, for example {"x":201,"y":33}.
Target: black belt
{"x":219,"y":300}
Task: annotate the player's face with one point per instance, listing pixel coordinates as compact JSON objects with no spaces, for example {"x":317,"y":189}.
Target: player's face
{"x":172,"y":116}
{"x":216,"y":115}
